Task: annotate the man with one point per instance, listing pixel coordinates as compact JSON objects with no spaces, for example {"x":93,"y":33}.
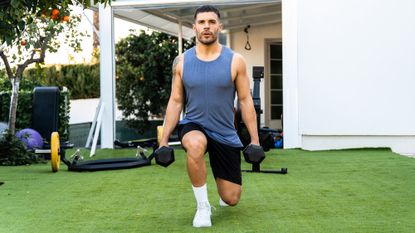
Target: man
{"x":205,"y":79}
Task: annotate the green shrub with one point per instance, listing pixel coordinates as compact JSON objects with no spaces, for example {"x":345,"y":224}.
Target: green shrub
{"x":24,"y":108}
{"x":2,"y":76}
{"x":81,"y":80}
{"x":25,"y":84}
{"x":64,"y":114}
{"x":144,"y":64}
{"x":13,"y":152}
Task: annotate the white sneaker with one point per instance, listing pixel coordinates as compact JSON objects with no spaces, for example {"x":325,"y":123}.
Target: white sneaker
{"x":202,"y":216}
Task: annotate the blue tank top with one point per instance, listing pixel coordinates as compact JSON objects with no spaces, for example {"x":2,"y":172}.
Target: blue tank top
{"x":210,"y":95}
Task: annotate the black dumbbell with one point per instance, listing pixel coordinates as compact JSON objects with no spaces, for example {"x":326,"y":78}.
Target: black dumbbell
{"x":254,"y":154}
{"x":164,"y":156}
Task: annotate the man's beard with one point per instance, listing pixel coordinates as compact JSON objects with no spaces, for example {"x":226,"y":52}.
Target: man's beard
{"x":209,"y":41}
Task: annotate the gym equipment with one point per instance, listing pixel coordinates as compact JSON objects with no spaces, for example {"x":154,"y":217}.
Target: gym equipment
{"x":54,"y":151}
{"x":173,"y":141}
{"x":279,"y":140}
{"x":257,"y":75}
{"x":31,"y":138}
{"x":247,"y":45}
{"x":45,"y":118}
{"x":45,"y":111}
{"x":254,"y":155}
{"x":45,"y":121}
{"x":95,"y":128}
{"x":266,"y":139}
{"x":133,"y":144}
{"x":164,"y":156}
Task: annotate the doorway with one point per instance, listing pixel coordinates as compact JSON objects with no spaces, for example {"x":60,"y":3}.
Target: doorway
{"x":274,"y":87}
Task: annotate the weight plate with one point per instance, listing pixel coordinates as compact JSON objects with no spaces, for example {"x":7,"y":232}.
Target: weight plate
{"x":159,"y":133}
{"x":54,"y":151}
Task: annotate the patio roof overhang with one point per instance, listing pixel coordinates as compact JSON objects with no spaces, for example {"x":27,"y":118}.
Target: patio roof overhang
{"x":167,"y":15}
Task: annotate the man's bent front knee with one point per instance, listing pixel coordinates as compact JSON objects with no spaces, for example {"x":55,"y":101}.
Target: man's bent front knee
{"x":195,"y":144}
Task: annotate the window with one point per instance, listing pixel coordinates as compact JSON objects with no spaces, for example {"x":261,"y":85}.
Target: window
{"x":276,"y":80}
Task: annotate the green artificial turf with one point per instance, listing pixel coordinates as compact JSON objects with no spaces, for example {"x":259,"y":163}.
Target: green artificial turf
{"x":370,"y":190}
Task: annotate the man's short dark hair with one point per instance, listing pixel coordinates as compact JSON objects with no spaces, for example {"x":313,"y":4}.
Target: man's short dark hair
{"x":207,"y":8}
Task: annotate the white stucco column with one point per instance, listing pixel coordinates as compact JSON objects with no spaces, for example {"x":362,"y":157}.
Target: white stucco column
{"x":107,"y":75}
{"x":292,"y":133}
{"x":180,"y":38}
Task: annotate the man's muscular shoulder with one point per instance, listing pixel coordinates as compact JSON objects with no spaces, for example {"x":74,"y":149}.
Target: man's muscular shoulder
{"x":238,"y":59}
{"x":178,"y":65}
{"x":238,"y":65}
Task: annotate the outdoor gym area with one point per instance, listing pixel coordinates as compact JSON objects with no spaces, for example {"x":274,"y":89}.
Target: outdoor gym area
{"x":367,"y":190}
{"x":247,"y":116}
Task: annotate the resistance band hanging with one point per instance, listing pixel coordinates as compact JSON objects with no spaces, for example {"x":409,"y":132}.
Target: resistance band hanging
{"x":247,"y":45}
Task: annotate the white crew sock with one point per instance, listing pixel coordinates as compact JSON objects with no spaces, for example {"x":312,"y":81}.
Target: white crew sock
{"x":201,"y":194}
{"x":222,"y":203}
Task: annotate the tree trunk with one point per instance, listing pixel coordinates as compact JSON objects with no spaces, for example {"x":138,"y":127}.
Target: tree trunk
{"x":13,"y":104}
{"x":95,"y":39}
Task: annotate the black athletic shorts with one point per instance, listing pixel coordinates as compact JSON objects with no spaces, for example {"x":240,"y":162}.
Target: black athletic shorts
{"x":225,"y":160}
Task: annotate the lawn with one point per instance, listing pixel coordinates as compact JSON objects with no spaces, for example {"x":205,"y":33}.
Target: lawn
{"x":368,"y":190}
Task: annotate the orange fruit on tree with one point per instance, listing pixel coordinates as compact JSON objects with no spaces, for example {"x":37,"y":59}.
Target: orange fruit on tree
{"x":65,"y":18}
{"x":55,"y":12}
{"x":23,"y":42}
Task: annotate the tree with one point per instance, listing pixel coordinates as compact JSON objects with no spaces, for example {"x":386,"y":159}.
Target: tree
{"x":29,"y":28}
{"x":95,"y":39}
{"x":144,"y":64}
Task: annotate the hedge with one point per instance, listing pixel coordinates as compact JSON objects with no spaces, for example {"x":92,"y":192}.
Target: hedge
{"x":81,"y":80}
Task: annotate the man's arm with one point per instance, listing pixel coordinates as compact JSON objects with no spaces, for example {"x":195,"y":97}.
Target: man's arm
{"x":175,"y":104}
{"x":244,"y":97}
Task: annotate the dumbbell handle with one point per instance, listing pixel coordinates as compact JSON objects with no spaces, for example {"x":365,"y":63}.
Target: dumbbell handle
{"x":153,"y":155}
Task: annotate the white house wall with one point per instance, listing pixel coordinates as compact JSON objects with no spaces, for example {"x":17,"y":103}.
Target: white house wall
{"x":356,"y":74}
{"x":255,"y":56}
